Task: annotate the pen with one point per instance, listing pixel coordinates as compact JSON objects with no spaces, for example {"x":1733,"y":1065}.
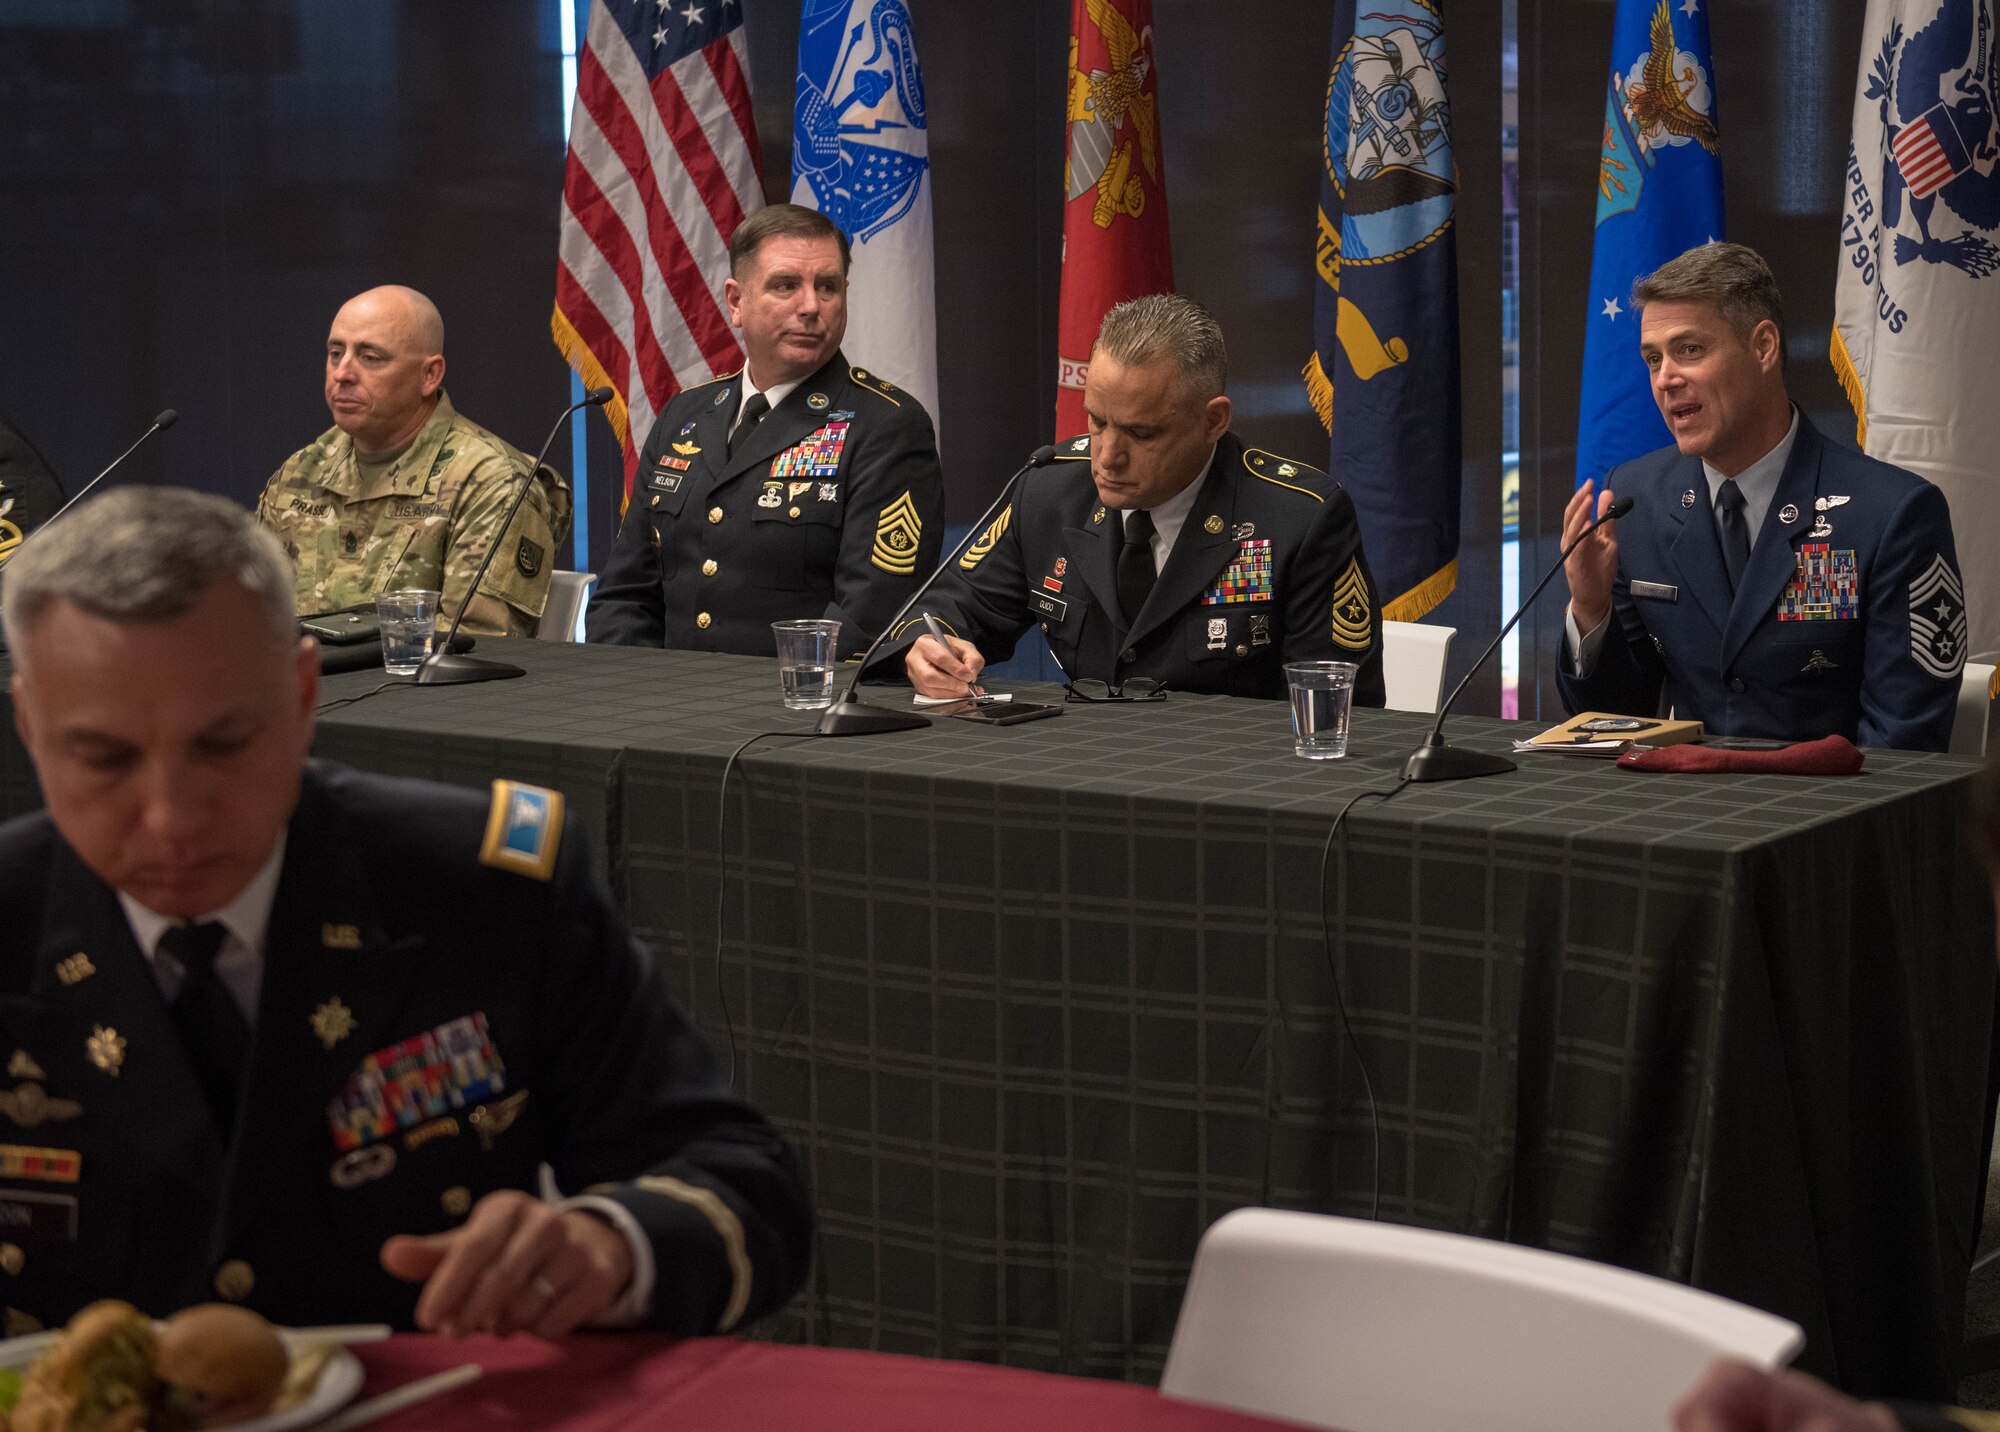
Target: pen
{"x":938,"y":632}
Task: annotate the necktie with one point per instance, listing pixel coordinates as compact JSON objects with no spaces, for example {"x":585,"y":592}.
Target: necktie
{"x":1136,"y":573}
{"x":213,"y":1029}
{"x":746,"y":422}
{"x":1734,"y":529}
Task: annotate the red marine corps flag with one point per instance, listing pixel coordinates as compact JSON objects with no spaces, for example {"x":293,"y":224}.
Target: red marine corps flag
{"x":1115,"y":187}
{"x":662,"y":168}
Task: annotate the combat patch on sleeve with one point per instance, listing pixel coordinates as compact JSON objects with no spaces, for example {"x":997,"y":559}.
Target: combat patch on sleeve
{"x":1351,"y":608}
{"x":987,"y":540}
{"x":523,"y":829}
{"x":898,"y":532}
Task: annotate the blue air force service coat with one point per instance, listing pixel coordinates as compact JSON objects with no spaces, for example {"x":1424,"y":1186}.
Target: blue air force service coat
{"x":832,"y":507}
{"x":1851,"y":617}
{"x":448,"y":1002}
{"x":1267,"y":569}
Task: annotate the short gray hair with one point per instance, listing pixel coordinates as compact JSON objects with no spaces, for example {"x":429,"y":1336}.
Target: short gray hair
{"x":1733,"y":279}
{"x":145,"y":554}
{"x":1167,"y":327}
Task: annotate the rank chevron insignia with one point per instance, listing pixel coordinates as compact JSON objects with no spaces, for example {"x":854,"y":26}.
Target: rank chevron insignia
{"x":1937,"y":620}
{"x":1351,"y":608}
{"x":987,"y":539}
{"x":898,"y":531}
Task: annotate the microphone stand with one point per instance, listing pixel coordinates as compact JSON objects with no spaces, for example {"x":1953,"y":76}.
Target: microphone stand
{"x":1437,"y":761}
{"x":851,"y":716}
{"x":165,"y":420}
{"x":442,"y":668}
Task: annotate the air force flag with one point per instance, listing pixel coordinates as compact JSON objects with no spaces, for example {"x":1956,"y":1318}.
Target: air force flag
{"x":1917,"y":302}
{"x":1659,"y":194}
{"x":861,"y":156}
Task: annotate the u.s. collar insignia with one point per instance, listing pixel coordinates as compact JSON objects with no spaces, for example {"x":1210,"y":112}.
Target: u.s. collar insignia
{"x":1788,"y":514}
{"x":332,"y":1022}
{"x":1213,"y":525}
{"x":106,"y":1048}
{"x":523,"y":829}
{"x":1097,"y":517}
{"x":720,"y":399}
{"x":1687,"y":498}
{"x":819,"y":402}
{"x":340,"y":937}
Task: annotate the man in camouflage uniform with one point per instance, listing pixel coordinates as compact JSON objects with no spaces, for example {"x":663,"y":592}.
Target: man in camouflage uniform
{"x":404,"y":492}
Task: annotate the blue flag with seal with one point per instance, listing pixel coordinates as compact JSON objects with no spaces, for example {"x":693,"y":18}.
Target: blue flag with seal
{"x":1659,"y":194}
{"x":861,"y":156}
{"x":1384,"y":372}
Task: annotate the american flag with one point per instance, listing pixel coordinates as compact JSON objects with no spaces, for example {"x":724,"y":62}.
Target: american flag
{"x":1928,"y":152}
{"x":663,"y":165}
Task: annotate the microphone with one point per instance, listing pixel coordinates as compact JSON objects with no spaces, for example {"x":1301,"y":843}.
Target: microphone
{"x":442,"y":667}
{"x":851,"y":716}
{"x":165,"y":420}
{"x":1436,"y":761}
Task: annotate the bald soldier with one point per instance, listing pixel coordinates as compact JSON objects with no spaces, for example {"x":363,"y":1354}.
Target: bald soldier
{"x":403,"y":491}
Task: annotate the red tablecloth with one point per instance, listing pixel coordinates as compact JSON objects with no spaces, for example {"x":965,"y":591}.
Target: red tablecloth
{"x":607,"y":1383}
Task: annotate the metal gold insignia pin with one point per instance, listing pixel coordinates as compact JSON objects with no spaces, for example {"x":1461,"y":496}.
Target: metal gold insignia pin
{"x":106,"y":1048}
{"x":1213,"y":525}
{"x":340,"y":937}
{"x":1287,"y":469}
{"x":235,"y":1279}
{"x":332,"y":1022}
{"x":29,"y":1105}
{"x":75,"y":969}
{"x":23,"y":1066}
{"x":456,"y":1201}
{"x":1097,"y":517}
{"x":490,"y":1121}
{"x":722,"y":397}
{"x":819,"y":402}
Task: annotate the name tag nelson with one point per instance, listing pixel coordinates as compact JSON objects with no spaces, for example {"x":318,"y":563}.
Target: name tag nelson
{"x":1658,"y":591}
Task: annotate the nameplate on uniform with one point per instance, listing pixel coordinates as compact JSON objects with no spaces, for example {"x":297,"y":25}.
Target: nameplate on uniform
{"x":37,"y":1217}
{"x":663,"y":480}
{"x":1825,"y":585}
{"x":1053,"y":607}
{"x":817,"y":456}
{"x":1657,"y":591}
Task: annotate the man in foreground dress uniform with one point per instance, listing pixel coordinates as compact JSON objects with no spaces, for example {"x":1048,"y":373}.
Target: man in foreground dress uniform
{"x":800,"y":487}
{"x":403,"y":490}
{"x":1767,"y":583}
{"x":1159,"y":547}
{"x":297,"y":1037}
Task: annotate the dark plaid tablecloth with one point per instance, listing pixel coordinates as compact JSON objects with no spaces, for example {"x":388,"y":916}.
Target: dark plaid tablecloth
{"x":1039,"y":1003}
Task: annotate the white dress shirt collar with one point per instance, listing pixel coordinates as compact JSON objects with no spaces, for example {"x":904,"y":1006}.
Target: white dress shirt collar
{"x":774,"y":395}
{"x":1758,"y":482}
{"x":247,"y":918}
{"x":1170,"y":516}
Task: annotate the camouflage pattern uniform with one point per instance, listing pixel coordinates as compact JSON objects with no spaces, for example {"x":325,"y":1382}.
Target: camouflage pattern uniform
{"x":423,"y":521}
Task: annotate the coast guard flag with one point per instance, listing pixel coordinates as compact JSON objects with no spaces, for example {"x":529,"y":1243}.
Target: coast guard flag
{"x":662,"y":167}
{"x":1384,"y":373}
{"x":1115,"y":243}
{"x":1916,"y":336}
{"x":1659,"y":193}
{"x":861,"y":156}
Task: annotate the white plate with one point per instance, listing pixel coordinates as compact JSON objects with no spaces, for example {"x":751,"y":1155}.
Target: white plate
{"x":338,"y":1383}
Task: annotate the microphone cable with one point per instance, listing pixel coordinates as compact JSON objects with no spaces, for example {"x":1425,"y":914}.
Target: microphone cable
{"x":1340,"y":1001}
{"x":722,"y":878}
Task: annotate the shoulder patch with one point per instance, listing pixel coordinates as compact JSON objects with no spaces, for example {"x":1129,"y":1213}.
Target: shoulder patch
{"x":523,"y":829}
{"x":1352,"y":608}
{"x":988,"y":539}
{"x":1281,"y":471}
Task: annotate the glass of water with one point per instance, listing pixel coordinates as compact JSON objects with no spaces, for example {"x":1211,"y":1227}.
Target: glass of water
{"x":805,"y":662}
{"x":1322,"y":703}
{"x":408,"y":622}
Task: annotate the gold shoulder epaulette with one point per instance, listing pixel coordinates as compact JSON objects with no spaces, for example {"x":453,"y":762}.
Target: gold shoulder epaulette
{"x":1075,"y":450}
{"x":523,"y":829}
{"x":879,"y":386}
{"x":1280,"y":471}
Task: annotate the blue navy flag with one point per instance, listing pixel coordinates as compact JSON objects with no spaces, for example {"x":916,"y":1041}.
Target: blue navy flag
{"x":1384,"y":373}
{"x":861,"y":156}
{"x":1659,"y":194}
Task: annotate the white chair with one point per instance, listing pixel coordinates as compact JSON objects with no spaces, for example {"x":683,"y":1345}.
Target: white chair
{"x":1975,"y":710}
{"x":1413,"y":664}
{"x":568,"y":591}
{"x":1370,"y":1327}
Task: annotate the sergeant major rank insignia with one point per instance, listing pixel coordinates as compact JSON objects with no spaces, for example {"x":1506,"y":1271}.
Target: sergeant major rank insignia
{"x":898,"y":533}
